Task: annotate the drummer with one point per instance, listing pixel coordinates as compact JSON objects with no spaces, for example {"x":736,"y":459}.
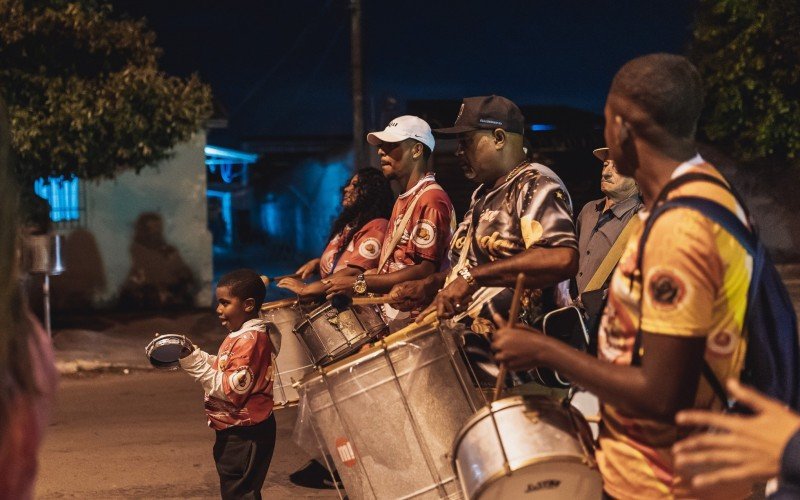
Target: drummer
{"x":420,"y":226}
{"x":519,"y":220}
{"x":356,"y":235}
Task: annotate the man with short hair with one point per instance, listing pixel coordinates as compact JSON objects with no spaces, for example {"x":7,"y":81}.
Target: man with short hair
{"x":419,"y":229}
{"x":678,"y":308}
{"x":519,"y":220}
{"x":600,"y":222}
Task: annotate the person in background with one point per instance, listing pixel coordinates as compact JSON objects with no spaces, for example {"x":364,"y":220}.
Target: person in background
{"x":752,"y":448}
{"x":356,"y":235}
{"x":27,"y":365}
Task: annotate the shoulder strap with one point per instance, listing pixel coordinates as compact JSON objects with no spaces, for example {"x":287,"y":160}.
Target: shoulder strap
{"x":612,"y":257}
{"x":731,"y":224}
{"x":397,"y":232}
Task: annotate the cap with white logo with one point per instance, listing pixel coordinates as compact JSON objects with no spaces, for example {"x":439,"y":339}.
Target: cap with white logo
{"x":402,"y":128}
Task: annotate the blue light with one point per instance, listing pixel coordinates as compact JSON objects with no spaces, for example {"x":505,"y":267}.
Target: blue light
{"x":542,"y":127}
{"x":62,"y":195}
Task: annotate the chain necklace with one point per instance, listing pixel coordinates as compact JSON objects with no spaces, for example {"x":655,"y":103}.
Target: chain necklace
{"x":516,"y":170}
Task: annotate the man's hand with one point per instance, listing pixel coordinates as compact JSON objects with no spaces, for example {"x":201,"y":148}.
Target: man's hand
{"x":453,"y":299}
{"x":292,"y":284}
{"x":517,"y":347}
{"x":410,"y":295}
{"x":307,"y":269}
{"x":740,"y":447}
{"x":341,"y":284}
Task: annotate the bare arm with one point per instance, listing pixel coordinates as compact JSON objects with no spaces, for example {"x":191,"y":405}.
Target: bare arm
{"x":542,"y":266}
{"x":378,"y":283}
{"x":665,"y":383}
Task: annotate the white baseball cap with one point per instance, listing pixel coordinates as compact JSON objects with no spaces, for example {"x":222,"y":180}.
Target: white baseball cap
{"x":402,"y":128}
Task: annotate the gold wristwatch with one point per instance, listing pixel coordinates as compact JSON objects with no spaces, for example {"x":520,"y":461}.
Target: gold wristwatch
{"x":360,"y":286}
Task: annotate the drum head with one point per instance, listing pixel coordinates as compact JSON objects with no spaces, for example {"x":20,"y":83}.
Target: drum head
{"x":164,"y":351}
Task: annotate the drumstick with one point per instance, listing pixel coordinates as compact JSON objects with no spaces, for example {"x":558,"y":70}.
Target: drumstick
{"x":278,"y":304}
{"x":366,"y":301}
{"x":267,"y":280}
{"x":512,"y":317}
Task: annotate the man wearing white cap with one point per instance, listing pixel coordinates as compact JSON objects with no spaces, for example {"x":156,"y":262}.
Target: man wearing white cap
{"x":420,"y":227}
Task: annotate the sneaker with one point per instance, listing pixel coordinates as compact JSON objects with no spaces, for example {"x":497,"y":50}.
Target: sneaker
{"x":315,"y":475}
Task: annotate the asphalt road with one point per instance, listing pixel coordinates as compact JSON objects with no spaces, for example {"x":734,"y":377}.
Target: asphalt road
{"x":144,"y":435}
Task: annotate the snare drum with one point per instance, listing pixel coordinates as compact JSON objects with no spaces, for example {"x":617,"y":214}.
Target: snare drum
{"x":388,"y":416}
{"x":528,"y":446}
{"x":330,"y":334}
{"x":292,"y":362}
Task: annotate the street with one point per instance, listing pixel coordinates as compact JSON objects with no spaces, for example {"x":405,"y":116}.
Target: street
{"x":144,"y":435}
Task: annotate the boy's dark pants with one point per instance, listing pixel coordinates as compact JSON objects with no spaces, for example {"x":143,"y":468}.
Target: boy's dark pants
{"x":242,"y":455}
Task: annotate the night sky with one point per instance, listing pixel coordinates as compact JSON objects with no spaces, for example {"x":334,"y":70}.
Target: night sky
{"x":282,"y":67}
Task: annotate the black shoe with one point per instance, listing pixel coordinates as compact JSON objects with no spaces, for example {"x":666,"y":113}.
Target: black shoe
{"x":315,"y":475}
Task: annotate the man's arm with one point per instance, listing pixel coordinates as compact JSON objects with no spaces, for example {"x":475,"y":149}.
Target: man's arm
{"x":542,"y":266}
{"x":663,"y":384}
{"x":379,"y":283}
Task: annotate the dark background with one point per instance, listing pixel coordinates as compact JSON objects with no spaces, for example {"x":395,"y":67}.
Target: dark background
{"x":282,"y":67}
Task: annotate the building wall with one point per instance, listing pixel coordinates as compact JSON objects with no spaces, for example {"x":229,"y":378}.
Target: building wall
{"x":99,"y":257}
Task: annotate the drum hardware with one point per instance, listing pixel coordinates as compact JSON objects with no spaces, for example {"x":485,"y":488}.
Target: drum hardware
{"x":512,"y":316}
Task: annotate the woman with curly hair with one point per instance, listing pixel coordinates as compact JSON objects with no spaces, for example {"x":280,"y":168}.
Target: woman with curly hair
{"x":27,"y":369}
{"x":356,"y":235}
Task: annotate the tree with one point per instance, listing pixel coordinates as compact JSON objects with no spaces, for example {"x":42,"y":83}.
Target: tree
{"x":84,"y":91}
{"x":748,"y":54}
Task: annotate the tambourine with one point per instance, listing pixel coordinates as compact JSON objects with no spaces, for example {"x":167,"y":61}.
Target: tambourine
{"x":164,"y":351}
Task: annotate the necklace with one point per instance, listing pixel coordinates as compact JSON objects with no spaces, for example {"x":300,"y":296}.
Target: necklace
{"x":516,"y":170}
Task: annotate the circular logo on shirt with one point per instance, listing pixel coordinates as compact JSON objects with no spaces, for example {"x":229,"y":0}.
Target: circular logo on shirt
{"x":722,"y":343}
{"x":241,"y":380}
{"x":667,"y":290}
{"x":424,"y":234}
{"x":370,"y":248}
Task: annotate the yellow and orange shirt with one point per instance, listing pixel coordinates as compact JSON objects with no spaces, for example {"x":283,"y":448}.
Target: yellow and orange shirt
{"x":695,"y":282}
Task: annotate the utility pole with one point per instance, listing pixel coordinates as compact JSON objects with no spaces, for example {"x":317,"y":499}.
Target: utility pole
{"x":357,"y":75}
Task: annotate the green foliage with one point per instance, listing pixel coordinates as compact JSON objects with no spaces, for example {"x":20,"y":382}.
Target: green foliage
{"x":748,"y":53}
{"x":85,"y":94}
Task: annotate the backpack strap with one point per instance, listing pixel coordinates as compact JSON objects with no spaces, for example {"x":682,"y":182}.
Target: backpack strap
{"x":720,"y":214}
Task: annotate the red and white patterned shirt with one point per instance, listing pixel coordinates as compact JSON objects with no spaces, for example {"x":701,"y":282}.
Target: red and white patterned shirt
{"x":427,"y":234}
{"x":238,"y":380}
{"x":363,"y":251}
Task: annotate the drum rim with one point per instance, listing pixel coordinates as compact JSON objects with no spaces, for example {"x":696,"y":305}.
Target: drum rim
{"x":496,"y":476}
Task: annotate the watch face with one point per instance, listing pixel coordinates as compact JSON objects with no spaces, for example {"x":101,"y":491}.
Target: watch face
{"x":360,"y":287}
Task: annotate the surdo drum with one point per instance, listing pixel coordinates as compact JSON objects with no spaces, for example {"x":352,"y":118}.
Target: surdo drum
{"x":527,"y":447}
{"x":330,"y":333}
{"x":388,"y":415}
{"x":292,"y":362}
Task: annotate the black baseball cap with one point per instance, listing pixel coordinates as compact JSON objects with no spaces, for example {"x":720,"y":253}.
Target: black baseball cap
{"x":486,"y":113}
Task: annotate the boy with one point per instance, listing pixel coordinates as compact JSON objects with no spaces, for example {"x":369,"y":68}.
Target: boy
{"x":238,"y":387}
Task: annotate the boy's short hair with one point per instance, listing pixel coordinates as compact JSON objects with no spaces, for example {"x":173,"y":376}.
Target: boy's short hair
{"x":245,"y":284}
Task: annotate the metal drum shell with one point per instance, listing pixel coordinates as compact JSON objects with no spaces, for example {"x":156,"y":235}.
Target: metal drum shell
{"x":330,"y":334}
{"x":396,"y":420}
{"x":292,"y":362}
{"x":538,"y":436}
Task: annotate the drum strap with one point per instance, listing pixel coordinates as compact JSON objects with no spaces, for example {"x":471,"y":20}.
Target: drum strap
{"x":612,"y":257}
{"x":399,"y":229}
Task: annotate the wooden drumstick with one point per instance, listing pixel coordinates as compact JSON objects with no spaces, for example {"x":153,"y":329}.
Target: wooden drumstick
{"x":278,"y":304}
{"x":512,"y":318}
{"x":366,"y":301}
{"x":267,"y":280}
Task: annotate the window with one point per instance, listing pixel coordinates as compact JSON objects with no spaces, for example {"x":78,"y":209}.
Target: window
{"x":65,"y":197}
